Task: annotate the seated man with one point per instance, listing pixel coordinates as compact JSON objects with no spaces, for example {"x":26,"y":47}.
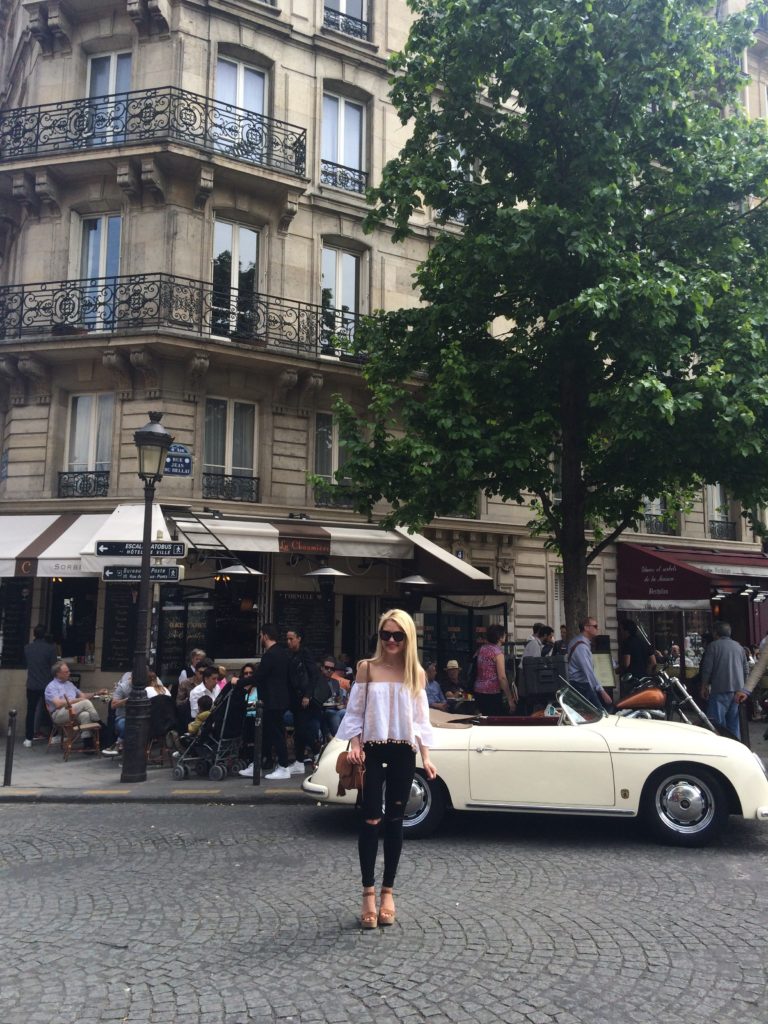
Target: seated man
{"x":61,"y":691}
{"x":119,"y":699}
{"x":435,"y":696}
{"x":452,"y":686}
{"x":209,"y":686}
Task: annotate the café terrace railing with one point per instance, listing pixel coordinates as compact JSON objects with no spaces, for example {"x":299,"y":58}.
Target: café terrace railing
{"x":165,"y":301}
{"x":166,"y":114}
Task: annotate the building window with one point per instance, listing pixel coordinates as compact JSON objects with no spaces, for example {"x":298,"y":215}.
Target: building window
{"x":340,"y":296}
{"x":347,"y":16}
{"x":90,"y":433}
{"x":235,"y":266}
{"x":240,"y":130}
{"x":229,"y":448}
{"x":342,"y":149}
{"x":721,"y":526}
{"x":657,"y":519}
{"x":99,"y":258}
{"x":329,"y":458}
{"x":73,"y":617}
{"x":109,"y":75}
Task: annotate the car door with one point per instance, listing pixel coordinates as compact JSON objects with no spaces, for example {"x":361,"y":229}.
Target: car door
{"x":540,"y":766}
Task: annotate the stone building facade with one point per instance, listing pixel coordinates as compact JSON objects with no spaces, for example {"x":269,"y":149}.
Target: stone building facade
{"x":181,"y":211}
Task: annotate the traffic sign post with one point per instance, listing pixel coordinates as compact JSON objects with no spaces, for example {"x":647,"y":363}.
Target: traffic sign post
{"x":133,"y":548}
{"x":132,"y":573}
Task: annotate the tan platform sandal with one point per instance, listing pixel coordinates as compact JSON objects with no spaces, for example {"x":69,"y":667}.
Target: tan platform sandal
{"x":368,"y":917}
{"x":387,"y":915}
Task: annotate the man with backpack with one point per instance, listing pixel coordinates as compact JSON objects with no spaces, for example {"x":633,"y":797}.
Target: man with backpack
{"x":309,"y":692}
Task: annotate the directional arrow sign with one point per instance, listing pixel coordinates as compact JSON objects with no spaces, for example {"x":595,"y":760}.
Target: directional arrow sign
{"x":132,"y":573}
{"x":133,"y":548}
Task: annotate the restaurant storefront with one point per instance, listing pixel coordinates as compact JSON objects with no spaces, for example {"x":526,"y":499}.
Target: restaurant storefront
{"x":676,"y":594}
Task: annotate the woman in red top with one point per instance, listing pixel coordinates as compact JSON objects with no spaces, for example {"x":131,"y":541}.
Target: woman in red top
{"x":491,"y":677}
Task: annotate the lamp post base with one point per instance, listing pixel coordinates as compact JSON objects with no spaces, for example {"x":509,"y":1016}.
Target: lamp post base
{"x":137,"y":714}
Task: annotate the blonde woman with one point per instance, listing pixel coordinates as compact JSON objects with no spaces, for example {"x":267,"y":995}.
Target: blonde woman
{"x":387,"y":721}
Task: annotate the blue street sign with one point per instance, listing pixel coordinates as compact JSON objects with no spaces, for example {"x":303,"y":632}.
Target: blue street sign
{"x":178,"y":461}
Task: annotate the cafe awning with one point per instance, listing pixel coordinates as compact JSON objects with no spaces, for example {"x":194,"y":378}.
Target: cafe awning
{"x":126,"y":523}
{"x":660,"y":578}
{"x":46,"y":545}
{"x":326,"y":540}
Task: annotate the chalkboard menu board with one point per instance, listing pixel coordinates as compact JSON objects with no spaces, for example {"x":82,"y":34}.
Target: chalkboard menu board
{"x":120,"y":605}
{"x":185,"y":622}
{"x":307,"y":610}
{"x":15,"y":609}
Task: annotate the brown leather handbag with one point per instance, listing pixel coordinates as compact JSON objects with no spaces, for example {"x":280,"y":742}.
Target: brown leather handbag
{"x":351,"y":776}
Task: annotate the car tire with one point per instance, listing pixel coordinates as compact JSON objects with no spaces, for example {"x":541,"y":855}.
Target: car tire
{"x":684,"y":805}
{"x":425,"y":808}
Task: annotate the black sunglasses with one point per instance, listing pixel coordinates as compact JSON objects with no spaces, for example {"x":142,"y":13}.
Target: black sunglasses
{"x":329,"y":668}
{"x":392,"y":634}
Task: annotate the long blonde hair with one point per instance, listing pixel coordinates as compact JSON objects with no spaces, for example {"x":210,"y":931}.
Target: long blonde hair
{"x":413,"y":677}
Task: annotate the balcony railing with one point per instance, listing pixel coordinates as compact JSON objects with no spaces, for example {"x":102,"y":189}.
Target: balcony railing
{"x":87,"y":484}
{"x":722,"y":529}
{"x":346,"y":23}
{"x":165,"y":301}
{"x":339,"y":176}
{"x":231,"y":488}
{"x":165,"y":114}
{"x":333,"y":496}
{"x":659,"y":524}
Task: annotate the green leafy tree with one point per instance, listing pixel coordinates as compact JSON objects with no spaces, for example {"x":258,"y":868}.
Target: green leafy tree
{"x":597,"y":326}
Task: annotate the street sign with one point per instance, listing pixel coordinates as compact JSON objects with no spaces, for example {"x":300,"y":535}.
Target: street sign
{"x":133,"y":548}
{"x":178,"y":461}
{"x":132,"y":573}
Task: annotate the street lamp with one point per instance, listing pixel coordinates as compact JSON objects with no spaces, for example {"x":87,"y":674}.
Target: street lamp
{"x":152,"y":444}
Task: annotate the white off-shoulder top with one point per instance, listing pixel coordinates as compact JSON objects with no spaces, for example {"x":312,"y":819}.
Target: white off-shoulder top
{"x":391,"y":715}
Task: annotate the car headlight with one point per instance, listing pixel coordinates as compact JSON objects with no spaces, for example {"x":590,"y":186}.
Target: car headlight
{"x":761,"y":762}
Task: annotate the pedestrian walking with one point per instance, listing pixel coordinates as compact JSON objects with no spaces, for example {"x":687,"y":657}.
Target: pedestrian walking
{"x":724,"y":671}
{"x":39,"y":655}
{"x":581,"y":667}
{"x":387,"y":721}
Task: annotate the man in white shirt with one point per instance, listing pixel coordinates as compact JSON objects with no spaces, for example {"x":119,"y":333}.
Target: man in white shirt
{"x":209,"y":685}
{"x":532,"y":648}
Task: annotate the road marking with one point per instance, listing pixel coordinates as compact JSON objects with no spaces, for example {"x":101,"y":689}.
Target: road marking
{"x":106,"y":792}
{"x":24,"y":792}
{"x":205,"y":792}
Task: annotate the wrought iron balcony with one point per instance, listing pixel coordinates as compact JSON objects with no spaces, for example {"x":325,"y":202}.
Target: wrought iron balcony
{"x":345,"y":23}
{"x":340,"y":176}
{"x":165,"y":114}
{"x":659,"y":524}
{"x":164,"y":301}
{"x":86,"y":484}
{"x":333,"y":496}
{"x":722,"y":529}
{"x":231,"y":488}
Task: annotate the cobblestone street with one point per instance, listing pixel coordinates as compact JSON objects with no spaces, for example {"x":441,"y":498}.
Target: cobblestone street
{"x":232,"y":915}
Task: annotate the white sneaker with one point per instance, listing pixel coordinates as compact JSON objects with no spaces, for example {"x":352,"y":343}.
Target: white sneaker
{"x":280,"y":773}
{"x":247,"y":773}
{"x":56,"y":738}
{"x":111,"y":751}
{"x":297,"y":768}
{"x":27,"y":743}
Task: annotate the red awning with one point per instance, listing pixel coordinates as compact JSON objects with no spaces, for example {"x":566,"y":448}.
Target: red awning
{"x":658,"y":578}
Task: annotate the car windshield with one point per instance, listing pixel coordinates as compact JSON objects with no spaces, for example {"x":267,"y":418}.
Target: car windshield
{"x":577,"y":709}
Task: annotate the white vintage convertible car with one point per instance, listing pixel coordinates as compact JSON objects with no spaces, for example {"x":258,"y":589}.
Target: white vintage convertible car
{"x":681,"y":780}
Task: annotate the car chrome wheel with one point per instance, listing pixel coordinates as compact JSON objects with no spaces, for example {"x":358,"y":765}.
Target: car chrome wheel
{"x":686,"y":806}
{"x":425,"y":807}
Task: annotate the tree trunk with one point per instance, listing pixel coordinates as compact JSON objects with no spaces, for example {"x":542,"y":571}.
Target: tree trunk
{"x":575,"y":585}
{"x":573,"y":541}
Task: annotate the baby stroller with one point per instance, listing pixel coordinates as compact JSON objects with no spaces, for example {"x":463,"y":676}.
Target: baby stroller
{"x":215,"y":750}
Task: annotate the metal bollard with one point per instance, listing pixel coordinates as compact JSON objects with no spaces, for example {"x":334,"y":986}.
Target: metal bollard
{"x":10,"y":744}
{"x":258,"y":736}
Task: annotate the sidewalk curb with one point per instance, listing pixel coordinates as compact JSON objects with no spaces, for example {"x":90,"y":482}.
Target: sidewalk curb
{"x":81,"y":797}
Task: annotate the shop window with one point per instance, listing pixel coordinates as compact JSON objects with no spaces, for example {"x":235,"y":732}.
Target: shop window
{"x":15,"y":612}
{"x":342,"y":157}
{"x":73,"y":617}
{"x":235,"y":267}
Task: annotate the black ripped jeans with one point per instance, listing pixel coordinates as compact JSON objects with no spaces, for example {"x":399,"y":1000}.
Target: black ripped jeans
{"x":393,"y":764}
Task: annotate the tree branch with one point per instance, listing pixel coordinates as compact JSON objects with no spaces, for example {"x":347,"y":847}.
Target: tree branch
{"x":609,"y":539}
